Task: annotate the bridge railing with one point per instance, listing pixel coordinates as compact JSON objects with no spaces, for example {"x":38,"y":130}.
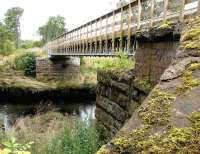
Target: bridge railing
{"x":115,"y":30}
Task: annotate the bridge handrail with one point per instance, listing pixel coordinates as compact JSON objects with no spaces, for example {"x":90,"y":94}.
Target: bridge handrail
{"x":85,"y":35}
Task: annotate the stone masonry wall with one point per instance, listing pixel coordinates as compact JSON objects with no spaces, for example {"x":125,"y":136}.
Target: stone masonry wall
{"x":116,"y":100}
{"x":152,"y":58}
{"x":65,"y":68}
{"x":119,"y":93}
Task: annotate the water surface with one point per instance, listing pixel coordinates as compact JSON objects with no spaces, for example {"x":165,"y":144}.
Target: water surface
{"x":11,"y":111}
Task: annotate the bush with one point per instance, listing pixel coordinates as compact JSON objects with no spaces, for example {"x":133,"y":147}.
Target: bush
{"x":27,"y":44}
{"x":27,"y":63}
{"x":121,"y":61}
{"x":38,"y":44}
{"x":7,"y":47}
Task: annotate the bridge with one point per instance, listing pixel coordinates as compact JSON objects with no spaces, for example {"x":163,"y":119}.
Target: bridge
{"x":116,"y":30}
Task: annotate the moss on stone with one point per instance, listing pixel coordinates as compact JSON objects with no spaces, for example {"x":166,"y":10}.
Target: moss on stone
{"x":143,"y":84}
{"x":190,"y":37}
{"x":157,"y":111}
{"x":129,"y":144}
{"x":166,"y":25}
{"x":188,"y":81}
{"x":175,"y":140}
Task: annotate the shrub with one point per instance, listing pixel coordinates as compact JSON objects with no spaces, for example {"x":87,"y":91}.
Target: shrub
{"x":27,"y":63}
{"x":121,"y":61}
{"x":12,"y":147}
{"x":7,"y":47}
{"x":27,"y":44}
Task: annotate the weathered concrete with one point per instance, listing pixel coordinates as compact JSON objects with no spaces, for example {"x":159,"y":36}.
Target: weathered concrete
{"x":65,"y":68}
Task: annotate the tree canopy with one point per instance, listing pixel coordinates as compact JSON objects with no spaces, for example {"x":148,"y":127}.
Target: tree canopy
{"x":10,"y":30}
{"x":12,"y":23}
{"x":54,"y":27}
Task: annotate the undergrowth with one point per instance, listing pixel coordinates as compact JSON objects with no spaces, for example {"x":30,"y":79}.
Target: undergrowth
{"x":54,"y":133}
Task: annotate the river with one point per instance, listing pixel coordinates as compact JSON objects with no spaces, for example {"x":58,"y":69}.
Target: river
{"x":11,"y":111}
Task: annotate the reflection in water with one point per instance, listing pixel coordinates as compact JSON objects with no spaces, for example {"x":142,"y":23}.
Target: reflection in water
{"x":11,"y":111}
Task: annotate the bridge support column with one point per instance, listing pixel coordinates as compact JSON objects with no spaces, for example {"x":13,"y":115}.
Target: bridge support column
{"x":58,"y":68}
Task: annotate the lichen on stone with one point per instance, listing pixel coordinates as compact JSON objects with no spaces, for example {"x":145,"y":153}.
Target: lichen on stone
{"x":188,"y":81}
{"x":174,"y":140}
{"x":130,"y":143}
{"x":190,"y":37}
{"x":166,"y":25}
{"x":157,"y":110}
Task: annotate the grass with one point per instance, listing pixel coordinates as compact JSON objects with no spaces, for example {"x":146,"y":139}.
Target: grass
{"x":54,"y":133}
{"x":91,"y":65}
{"x":12,"y":76}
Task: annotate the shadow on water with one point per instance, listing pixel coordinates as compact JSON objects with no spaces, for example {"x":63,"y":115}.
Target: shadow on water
{"x":11,"y":111}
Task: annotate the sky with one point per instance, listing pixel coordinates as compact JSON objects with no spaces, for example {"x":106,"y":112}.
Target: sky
{"x":37,"y":12}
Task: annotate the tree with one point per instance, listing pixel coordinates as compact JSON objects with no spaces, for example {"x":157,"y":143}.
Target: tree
{"x":6,"y":43}
{"x":54,"y":27}
{"x":12,"y":22}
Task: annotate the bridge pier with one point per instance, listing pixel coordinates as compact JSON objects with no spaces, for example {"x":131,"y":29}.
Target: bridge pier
{"x":58,"y":68}
{"x":120,"y":92}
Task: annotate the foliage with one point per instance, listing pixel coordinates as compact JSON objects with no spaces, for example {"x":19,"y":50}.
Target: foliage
{"x":30,"y":44}
{"x":38,"y":44}
{"x":121,"y":61}
{"x":81,"y":139}
{"x":54,"y":27}
{"x":54,"y":133}
{"x":27,"y":63}
{"x":12,"y":147}
{"x":12,"y":22}
{"x":26,"y":44}
{"x":6,"y":44}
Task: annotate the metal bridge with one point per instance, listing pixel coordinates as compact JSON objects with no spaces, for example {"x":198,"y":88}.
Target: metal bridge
{"x":116,"y":30}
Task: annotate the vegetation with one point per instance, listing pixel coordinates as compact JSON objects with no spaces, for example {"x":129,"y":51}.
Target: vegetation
{"x":12,"y":23}
{"x":53,"y":133}
{"x":190,"y":39}
{"x":54,"y":27}
{"x":10,"y":31}
{"x":175,"y":140}
{"x":27,"y":63}
{"x":188,"y":81}
{"x":27,"y":44}
{"x":157,"y":111}
{"x":12,"y":147}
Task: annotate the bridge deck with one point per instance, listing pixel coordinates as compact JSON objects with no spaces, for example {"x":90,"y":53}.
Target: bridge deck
{"x":116,"y":30}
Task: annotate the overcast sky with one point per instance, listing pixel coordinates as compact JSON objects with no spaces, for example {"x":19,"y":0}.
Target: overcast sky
{"x":36,"y":12}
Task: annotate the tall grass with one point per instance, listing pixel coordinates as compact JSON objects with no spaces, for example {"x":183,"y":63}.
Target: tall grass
{"x":54,"y":133}
{"x":82,"y":139}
